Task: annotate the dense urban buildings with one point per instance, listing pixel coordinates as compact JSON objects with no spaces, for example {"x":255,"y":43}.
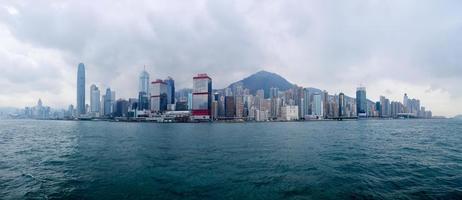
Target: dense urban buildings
{"x":159,"y":101}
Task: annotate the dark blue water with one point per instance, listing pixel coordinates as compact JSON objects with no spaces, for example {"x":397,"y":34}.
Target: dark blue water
{"x":389,"y":159}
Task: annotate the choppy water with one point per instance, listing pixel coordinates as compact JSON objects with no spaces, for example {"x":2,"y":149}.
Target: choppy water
{"x":397,"y":159}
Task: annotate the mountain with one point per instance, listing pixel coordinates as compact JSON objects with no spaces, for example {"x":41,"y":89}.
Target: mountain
{"x":264,"y":80}
{"x":458,"y":117}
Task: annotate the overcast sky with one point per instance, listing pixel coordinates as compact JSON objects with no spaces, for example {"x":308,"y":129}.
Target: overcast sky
{"x":391,"y":47}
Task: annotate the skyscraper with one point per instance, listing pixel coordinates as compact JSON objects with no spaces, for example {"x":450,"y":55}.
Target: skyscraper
{"x":317,"y":106}
{"x":144,"y":82}
{"x":406,"y":102}
{"x":170,"y":90}
{"x":94,"y":99}
{"x":361,"y":102}
{"x":202,"y":97}
{"x":108,"y":102}
{"x":81,"y":89}
{"x":306,"y":102}
{"x":341,"y":104}
{"x":158,"y":96}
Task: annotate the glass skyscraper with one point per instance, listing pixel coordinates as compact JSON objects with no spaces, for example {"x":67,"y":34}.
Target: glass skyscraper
{"x":170,"y":90}
{"x":361,"y":102}
{"x":81,"y":89}
{"x":144,"y":82}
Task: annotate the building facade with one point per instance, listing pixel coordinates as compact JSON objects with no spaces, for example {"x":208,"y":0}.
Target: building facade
{"x":158,"y":96}
{"x":95,"y":99}
{"x":202,"y":97}
{"x":361,"y":102}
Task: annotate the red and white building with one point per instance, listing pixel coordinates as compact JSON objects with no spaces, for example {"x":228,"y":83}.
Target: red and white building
{"x":202,"y":97}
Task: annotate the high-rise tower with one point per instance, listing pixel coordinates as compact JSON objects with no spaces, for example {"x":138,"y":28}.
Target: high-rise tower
{"x":95,"y":99}
{"x":144,"y":82}
{"x":202,"y":97}
{"x":361,"y":102}
{"x":81,"y":89}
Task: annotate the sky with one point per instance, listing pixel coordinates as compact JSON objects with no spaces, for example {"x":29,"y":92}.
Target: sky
{"x":391,"y":47}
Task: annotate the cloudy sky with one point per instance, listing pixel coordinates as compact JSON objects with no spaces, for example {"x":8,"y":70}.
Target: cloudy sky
{"x":391,"y":46}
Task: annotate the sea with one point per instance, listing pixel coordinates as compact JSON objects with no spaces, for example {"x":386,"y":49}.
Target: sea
{"x":364,"y":159}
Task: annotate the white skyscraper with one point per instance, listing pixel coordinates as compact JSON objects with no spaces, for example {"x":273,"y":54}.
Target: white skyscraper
{"x":317,"y":108}
{"x":94,"y":99}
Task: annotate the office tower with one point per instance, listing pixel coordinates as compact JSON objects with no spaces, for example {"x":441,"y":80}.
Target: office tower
{"x":108,"y":102}
{"x":307,"y":110}
{"x":81,"y":89}
{"x":144,"y":82}
{"x":170,"y":90}
{"x":94,"y":99}
{"x":341,"y":105}
{"x":230,"y":107}
{"x":361,"y":102}
{"x":202,"y":97}
{"x":317,"y":106}
{"x":158,"y":96}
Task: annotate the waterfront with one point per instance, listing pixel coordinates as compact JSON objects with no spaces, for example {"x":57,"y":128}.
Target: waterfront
{"x":366,"y":159}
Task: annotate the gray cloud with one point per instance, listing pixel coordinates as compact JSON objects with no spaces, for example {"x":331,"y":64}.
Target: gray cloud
{"x":327,"y":44}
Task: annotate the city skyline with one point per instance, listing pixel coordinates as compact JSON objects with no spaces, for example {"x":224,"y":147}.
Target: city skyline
{"x":390,"y":48}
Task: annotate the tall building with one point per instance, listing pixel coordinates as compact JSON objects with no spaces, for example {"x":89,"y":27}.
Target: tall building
{"x":361,"y":102}
{"x":81,"y":89}
{"x":170,"y":90}
{"x":107,"y":102}
{"x":230,"y":107}
{"x":405,"y":102}
{"x":325,"y":104}
{"x":158,"y":96}
{"x":94,"y":99}
{"x":341,"y":105}
{"x":144,"y":82}
{"x":202,"y":97}
{"x":317,"y":106}
{"x":385,"y":110}
{"x":307,"y":110}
